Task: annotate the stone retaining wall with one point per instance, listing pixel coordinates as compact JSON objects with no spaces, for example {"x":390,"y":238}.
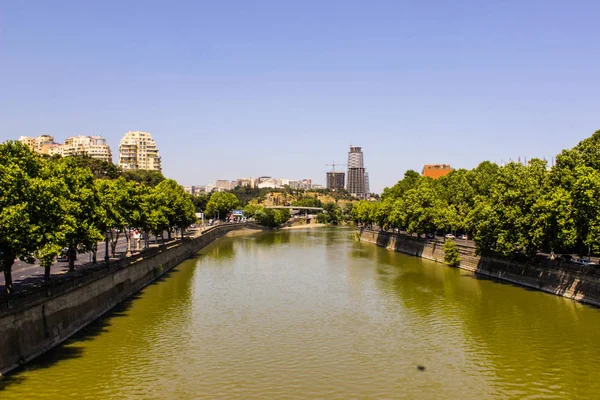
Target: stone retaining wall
{"x":34,"y":322}
{"x":562,"y":279}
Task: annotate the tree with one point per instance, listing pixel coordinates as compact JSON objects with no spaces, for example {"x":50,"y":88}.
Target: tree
{"x":29,"y":208}
{"x":308,"y":201}
{"x":586,"y":204}
{"x":332,"y":214}
{"x":221,"y":204}
{"x":150,"y":178}
{"x":200,"y":202}
{"x":451,"y":254}
{"x":180,"y":210}
{"x":100,"y":169}
{"x":80,"y":207}
{"x":410,"y":180}
{"x":112,"y":202}
{"x":503,"y":220}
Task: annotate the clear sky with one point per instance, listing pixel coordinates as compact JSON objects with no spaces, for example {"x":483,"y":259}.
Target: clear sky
{"x":234,"y":89}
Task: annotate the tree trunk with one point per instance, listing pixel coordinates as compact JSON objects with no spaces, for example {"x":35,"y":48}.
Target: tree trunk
{"x":182,"y":231}
{"x":8,"y":283}
{"x":72,"y":253}
{"x":47,"y":271}
{"x":169,"y":234}
{"x":94,"y":251}
{"x":113,"y":243}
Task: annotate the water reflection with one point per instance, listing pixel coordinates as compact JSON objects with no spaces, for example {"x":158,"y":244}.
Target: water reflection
{"x":314,"y":314}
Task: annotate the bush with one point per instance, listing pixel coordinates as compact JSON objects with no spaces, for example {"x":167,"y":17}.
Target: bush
{"x":451,"y":255}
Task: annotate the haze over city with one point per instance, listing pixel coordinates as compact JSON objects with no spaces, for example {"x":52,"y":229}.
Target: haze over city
{"x":266,"y":88}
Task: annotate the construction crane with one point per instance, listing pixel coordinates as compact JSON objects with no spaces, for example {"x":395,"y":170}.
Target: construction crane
{"x":332,"y":165}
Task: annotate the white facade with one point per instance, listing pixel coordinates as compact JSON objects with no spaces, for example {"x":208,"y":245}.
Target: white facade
{"x":92,"y":146}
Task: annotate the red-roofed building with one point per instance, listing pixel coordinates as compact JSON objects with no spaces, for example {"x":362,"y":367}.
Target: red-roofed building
{"x":436,"y":170}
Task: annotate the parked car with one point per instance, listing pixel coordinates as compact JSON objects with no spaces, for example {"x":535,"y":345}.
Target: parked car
{"x":430,"y":236}
{"x":583,"y":261}
{"x":450,"y":236}
{"x":463,"y":237}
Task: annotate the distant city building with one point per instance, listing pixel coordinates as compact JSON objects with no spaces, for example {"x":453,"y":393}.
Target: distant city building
{"x":335,"y":181}
{"x":138,"y":150}
{"x":242,"y":182}
{"x":222,"y":184}
{"x":191,"y":189}
{"x":358,"y":179}
{"x":268,"y":183}
{"x":436,"y":170}
{"x":209,"y":188}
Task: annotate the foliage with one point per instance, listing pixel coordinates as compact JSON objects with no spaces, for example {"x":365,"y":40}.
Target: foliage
{"x":451,"y":255}
{"x":271,"y":217}
{"x":49,"y":203}
{"x":200,"y":201}
{"x":508,"y":210}
{"x":100,"y":169}
{"x":221,"y":204}
{"x":150,"y":178}
{"x":308,"y":201}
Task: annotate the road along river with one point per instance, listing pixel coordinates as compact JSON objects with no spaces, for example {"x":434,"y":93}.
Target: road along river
{"x":314,"y":314}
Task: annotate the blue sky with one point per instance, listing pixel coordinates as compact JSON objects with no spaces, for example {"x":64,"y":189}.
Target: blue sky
{"x":234,"y":89}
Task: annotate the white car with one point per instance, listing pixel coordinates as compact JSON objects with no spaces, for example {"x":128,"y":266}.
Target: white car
{"x":450,"y":236}
{"x":583,"y":261}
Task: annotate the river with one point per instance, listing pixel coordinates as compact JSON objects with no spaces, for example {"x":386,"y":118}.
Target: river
{"x":314,"y":314}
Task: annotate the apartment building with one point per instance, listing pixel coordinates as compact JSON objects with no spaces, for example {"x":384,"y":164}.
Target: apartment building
{"x":137,"y":150}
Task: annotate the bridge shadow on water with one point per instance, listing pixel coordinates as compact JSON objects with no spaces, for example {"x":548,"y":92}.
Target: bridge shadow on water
{"x":73,"y":347}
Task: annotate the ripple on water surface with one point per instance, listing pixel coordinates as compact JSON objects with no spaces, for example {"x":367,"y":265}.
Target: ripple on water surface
{"x":313,"y":314}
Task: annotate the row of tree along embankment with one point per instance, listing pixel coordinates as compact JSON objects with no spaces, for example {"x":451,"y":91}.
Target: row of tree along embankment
{"x":562,"y":279}
{"x":35,"y":321}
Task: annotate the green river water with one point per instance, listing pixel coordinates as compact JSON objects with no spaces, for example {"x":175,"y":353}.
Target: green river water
{"x":314,"y":314}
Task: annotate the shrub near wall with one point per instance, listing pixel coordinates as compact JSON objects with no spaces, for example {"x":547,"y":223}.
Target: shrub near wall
{"x":451,"y":255}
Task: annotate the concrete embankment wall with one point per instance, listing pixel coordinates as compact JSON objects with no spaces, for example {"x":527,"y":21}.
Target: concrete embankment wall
{"x":562,"y":279}
{"x":34,"y":322}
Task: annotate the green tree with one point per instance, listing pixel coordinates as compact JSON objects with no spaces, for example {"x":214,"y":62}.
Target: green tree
{"x":80,"y":207}
{"x":112,"y":199}
{"x":451,"y":254}
{"x":150,"y":178}
{"x":308,"y":201}
{"x":410,"y":180}
{"x":100,"y":169}
{"x":586,"y":204}
{"x":30,"y":209}
{"x":221,"y":204}
{"x":200,"y":201}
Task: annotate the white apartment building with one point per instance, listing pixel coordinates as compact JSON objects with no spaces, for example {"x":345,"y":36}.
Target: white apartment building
{"x":138,"y":150}
{"x":43,"y":144}
{"x":92,"y":146}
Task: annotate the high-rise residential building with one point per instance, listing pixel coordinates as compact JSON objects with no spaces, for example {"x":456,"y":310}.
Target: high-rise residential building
{"x":138,"y":150}
{"x":436,"y":170}
{"x":335,"y":180}
{"x":43,"y":144}
{"x":91,"y":146}
{"x":358,"y":179}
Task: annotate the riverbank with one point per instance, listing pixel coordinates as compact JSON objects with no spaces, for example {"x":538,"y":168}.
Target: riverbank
{"x":39,"y":320}
{"x":566,"y":280}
